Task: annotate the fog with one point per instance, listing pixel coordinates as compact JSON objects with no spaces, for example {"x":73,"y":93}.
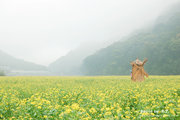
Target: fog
{"x":41,"y":31}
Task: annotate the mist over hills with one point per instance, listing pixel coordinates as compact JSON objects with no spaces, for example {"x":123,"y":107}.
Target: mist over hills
{"x":70,"y":64}
{"x":15,"y":66}
{"x":160,"y":44}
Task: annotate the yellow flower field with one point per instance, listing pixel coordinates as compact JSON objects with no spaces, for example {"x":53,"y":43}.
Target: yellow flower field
{"x":86,"y":98}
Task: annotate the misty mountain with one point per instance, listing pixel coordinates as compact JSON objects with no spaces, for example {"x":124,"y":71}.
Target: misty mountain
{"x":160,"y":44}
{"x":11,"y":63}
{"x":71,"y":63}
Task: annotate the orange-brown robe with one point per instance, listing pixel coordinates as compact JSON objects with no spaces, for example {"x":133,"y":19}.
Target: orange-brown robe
{"x":138,"y":71}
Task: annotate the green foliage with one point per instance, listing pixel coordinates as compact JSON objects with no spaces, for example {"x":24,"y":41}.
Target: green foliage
{"x":160,"y":44}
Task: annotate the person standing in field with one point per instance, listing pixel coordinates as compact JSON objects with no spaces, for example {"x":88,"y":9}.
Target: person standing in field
{"x":138,"y":71}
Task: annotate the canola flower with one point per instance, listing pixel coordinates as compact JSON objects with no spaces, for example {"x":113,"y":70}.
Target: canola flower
{"x":86,"y":98}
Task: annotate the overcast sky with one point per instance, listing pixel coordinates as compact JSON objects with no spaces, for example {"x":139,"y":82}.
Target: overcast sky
{"x":41,"y":31}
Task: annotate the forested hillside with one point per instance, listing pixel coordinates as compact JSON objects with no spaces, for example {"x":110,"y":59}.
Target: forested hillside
{"x":70,"y":64}
{"x":9,"y":62}
{"x":160,"y":44}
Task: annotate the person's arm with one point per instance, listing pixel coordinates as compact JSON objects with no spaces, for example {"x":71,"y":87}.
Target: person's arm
{"x":145,"y":73}
{"x":145,"y":60}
